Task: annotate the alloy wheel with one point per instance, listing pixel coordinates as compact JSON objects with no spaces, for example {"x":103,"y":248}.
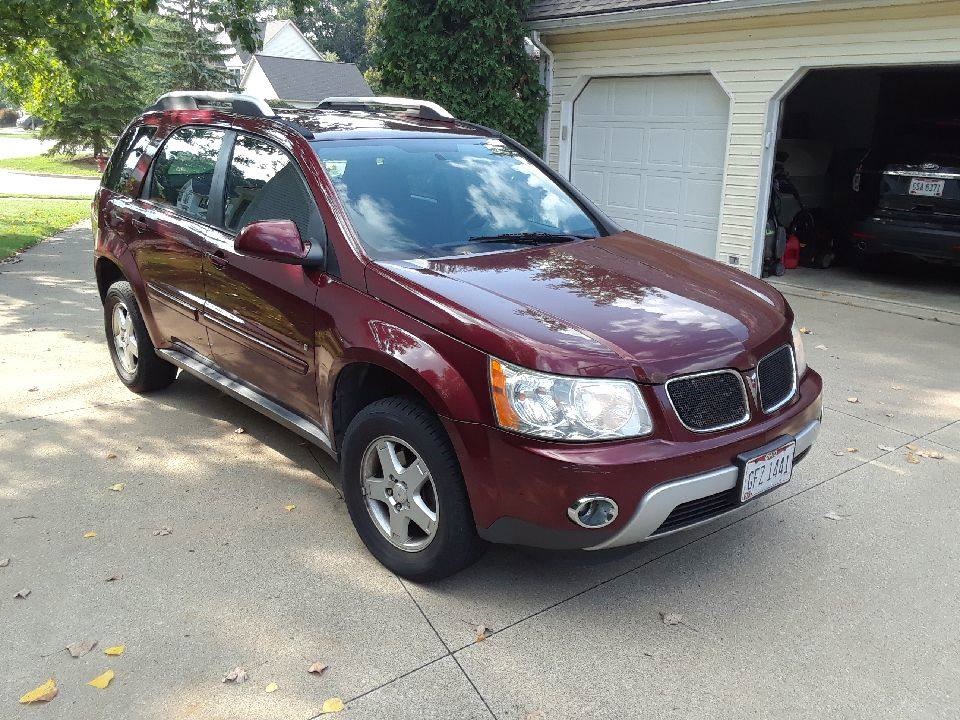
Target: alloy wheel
{"x":124,"y":338}
{"x":400,"y":494}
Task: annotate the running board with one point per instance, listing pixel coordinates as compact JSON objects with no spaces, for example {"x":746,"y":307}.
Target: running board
{"x":250,"y":397}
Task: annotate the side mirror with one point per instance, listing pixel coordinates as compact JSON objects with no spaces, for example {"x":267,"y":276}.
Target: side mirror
{"x":279,"y":241}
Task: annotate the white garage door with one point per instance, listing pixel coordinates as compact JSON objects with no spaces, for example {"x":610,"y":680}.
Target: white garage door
{"x":650,"y":152}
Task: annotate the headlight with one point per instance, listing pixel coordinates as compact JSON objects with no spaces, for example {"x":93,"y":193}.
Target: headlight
{"x":566,"y":408}
{"x":798,"y":351}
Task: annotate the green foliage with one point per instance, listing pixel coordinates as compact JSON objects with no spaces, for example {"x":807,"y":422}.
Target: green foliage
{"x":335,"y":26}
{"x":467,"y":55}
{"x":183,"y":51}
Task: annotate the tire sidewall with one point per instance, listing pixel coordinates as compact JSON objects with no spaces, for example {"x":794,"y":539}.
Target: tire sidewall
{"x":455,"y":525}
{"x":122,"y":293}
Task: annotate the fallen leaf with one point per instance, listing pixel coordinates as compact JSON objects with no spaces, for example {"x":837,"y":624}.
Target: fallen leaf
{"x":806,"y":331}
{"x":113,"y":578}
{"x":237,"y":675}
{"x":272,"y":687}
{"x":118,"y":487}
{"x":896,"y":387}
{"x":4,"y":562}
{"x":43,"y":693}
{"x":22,"y":595}
{"x":101,"y":681}
{"x":33,"y":389}
{"x":318,"y":668}
{"x":889,"y":414}
{"x":239,"y":431}
{"x":111,"y":456}
{"x":79,"y":649}
{"x":289,"y":508}
{"x":912,"y":459}
{"x":835,"y":516}
{"x":671,"y":618}
{"x":886,"y":448}
{"x":331,"y":705}
{"x":820,"y":347}
{"x":932,"y":454}
{"x":482,"y":632}
{"x":912,"y":447}
{"x":162,"y":531}
{"x":115,"y":650}
{"x":839,"y":453}
{"x":852,"y":450}
{"x":853,"y":399}
{"x":89,"y":534}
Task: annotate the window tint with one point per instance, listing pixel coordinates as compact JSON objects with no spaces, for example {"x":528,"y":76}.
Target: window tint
{"x":264,"y":183}
{"x":183,"y":170}
{"x":415,"y":198}
{"x":119,"y":175}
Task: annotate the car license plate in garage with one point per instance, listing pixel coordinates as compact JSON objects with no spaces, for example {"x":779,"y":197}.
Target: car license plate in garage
{"x":767,"y":471}
{"x":926,"y":186}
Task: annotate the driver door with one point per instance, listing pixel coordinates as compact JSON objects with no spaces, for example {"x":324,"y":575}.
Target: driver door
{"x":260,"y":315}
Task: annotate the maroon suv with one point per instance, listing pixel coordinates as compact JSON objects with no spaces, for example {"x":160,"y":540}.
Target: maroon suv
{"x":486,"y":355}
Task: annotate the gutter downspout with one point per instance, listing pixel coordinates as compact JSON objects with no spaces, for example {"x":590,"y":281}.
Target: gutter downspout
{"x":546,"y":77}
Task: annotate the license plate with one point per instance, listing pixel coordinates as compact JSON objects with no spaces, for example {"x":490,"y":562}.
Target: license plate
{"x":767,"y":471}
{"x":925,"y":186}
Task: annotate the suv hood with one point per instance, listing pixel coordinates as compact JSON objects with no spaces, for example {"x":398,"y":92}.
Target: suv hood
{"x":623,"y":305}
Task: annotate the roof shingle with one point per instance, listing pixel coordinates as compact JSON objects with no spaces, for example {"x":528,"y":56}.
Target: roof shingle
{"x":555,"y":9}
{"x":308,"y":80}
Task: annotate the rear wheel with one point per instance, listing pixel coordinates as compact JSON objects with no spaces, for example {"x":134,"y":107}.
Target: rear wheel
{"x":405,"y":491}
{"x":134,"y":357}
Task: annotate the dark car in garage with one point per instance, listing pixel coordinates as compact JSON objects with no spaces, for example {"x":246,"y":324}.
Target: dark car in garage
{"x":911,"y":196}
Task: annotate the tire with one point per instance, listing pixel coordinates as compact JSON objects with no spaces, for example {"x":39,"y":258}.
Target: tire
{"x":141,"y":370}
{"x":417,"y":438}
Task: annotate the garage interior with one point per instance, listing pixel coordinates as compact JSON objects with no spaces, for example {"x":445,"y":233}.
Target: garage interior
{"x":836,"y":122}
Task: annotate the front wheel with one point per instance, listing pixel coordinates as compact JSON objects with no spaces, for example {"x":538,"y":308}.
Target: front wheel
{"x":405,"y":491}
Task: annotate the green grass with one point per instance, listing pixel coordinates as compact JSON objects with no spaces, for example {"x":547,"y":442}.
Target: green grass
{"x":26,"y":221}
{"x":52,"y":165}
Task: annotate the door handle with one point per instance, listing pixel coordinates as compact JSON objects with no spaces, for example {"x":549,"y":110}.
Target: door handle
{"x":140,"y":223}
{"x":218,"y":260}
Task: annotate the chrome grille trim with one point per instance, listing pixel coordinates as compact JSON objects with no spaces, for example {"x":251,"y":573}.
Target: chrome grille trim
{"x":793,"y":388}
{"x":735,"y":423}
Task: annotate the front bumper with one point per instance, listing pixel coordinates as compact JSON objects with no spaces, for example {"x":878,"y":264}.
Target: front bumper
{"x":520,"y":488}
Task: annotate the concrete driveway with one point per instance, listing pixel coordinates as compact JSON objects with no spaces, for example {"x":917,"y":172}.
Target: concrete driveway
{"x":834,"y":597}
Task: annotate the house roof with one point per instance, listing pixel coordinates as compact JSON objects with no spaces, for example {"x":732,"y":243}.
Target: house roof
{"x":308,"y":80}
{"x":555,"y":9}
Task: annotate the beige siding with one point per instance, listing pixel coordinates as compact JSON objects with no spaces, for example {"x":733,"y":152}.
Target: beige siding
{"x":754,"y":60}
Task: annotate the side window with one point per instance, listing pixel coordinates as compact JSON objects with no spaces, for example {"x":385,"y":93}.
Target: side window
{"x":183,"y":170}
{"x":127,"y":154}
{"x":264,"y":183}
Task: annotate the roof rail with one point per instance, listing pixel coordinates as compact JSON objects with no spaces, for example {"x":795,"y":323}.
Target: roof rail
{"x":197,"y":99}
{"x":418,"y":108}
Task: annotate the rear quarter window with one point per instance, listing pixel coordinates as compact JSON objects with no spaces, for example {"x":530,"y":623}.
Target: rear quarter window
{"x":119,"y":175}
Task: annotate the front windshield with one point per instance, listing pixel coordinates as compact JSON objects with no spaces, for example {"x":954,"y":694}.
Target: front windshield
{"x":421,"y":198}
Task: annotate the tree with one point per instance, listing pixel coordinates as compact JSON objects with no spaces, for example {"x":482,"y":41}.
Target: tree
{"x":105,"y":93}
{"x":186,"y":49}
{"x":337,"y":26}
{"x":467,"y":55}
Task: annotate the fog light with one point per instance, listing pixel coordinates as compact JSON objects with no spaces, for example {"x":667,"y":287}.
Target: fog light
{"x":593,"y":511}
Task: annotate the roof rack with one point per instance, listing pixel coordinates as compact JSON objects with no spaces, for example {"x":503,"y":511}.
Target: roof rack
{"x":423,"y":109}
{"x":197,"y":99}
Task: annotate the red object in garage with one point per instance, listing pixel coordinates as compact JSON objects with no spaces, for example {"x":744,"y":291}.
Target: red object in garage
{"x":791,"y":255}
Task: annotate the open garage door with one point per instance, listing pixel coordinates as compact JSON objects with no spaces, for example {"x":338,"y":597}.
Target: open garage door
{"x":650,"y":152}
{"x":871,"y":158}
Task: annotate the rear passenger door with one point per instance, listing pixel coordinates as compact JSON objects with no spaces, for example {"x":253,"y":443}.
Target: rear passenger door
{"x":170,"y":227}
{"x":260,"y":314}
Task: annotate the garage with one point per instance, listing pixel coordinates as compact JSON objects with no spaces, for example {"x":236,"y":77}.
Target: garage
{"x":867,"y":174}
{"x":650,"y":151}
{"x":670,"y":114}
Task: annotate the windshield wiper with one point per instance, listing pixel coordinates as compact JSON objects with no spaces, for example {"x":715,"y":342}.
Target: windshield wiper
{"x":529,"y":238}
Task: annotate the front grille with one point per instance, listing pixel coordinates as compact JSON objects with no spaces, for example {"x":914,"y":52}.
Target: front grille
{"x":776,"y":378}
{"x":695,"y":511}
{"x":709,"y":401}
